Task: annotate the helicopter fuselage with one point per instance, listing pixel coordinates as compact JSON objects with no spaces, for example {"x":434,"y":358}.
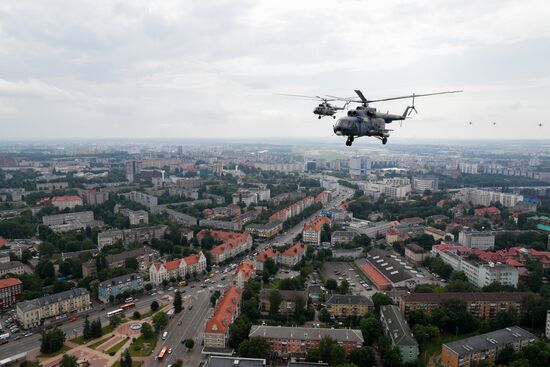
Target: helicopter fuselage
{"x":324,"y":110}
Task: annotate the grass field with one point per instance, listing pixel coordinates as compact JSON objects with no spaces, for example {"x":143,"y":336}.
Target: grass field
{"x":137,"y":348}
{"x":134,"y":364}
{"x":99,"y":342}
{"x":115,"y":348}
{"x":60,"y":351}
{"x":434,"y":346}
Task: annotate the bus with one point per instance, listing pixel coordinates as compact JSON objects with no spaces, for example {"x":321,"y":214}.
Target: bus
{"x":116,"y":312}
{"x":162,"y":353}
{"x":4,"y":338}
{"x":128,"y":306}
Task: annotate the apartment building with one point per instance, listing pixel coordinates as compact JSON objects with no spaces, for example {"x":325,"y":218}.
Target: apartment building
{"x":341,"y":237}
{"x":11,"y":267}
{"x":144,"y":199}
{"x":478,"y":197}
{"x":70,"y":221}
{"x":395,"y":326}
{"x":216,"y":331}
{"x":267,"y":253}
{"x":268,"y":230}
{"x":126,"y":236}
{"x":474,"y":239}
{"x":33,"y":313}
{"x":437,"y":234}
{"x":94,"y":197}
{"x":194,"y":264}
{"x":119,"y":285}
{"x":287,"y":342}
{"x":49,"y":186}
{"x":311,"y":233}
{"x":10,"y":292}
{"x":145,"y":256}
{"x":66,"y":202}
{"x":288,"y":301}
{"x":487,"y":346}
{"x":483,"y":305}
{"x":342,"y":306}
{"x":292,"y":256}
{"x":136,"y":217}
{"x":234,"y":244}
{"x":421,"y":184}
{"x":415,"y":254}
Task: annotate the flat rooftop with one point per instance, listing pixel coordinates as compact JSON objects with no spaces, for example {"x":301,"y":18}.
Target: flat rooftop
{"x":392,"y":266}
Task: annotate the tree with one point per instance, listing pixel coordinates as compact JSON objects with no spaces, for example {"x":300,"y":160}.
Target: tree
{"x":371,"y":328}
{"x":274,"y":302}
{"x":147,"y":330}
{"x":270,"y":267}
{"x":87,"y":330}
{"x":177,"y":302}
{"x":238,"y":331}
{"x":95,"y":329}
{"x":325,"y":348}
{"x":362,"y":357}
{"x":137,"y":315}
{"x":380,"y":299}
{"x":255,"y":347}
{"x":189,"y":344}
{"x":131,"y":263}
{"x":344,"y":287}
{"x":331,"y":284}
{"x":45,"y":269}
{"x":126,"y":359}
{"x":65,"y":268}
{"x":337,"y":355}
{"x":313,"y":355}
{"x":324,"y":315}
{"x":52,"y":340}
{"x":115,"y":320}
{"x":392,"y":358}
{"x":214,"y":297}
{"x":154,"y":306}
{"x":160,"y":319}
{"x":68,"y":361}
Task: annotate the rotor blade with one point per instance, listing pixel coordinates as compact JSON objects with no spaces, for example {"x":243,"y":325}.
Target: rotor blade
{"x":341,"y":98}
{"x":414,"y":95}
{"x":298,"y":96}
{"x":361,"y":96}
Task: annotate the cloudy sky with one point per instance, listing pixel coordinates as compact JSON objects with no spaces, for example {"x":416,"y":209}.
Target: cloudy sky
{"x":183,"y":68}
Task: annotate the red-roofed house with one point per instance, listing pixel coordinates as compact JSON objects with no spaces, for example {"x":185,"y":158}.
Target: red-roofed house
{"x":292,"y":256}
{"x":3,"y":241}
{"x":491,"y":212}
{"x":244,"y":271}
{"x":227,"y":309}
{"x":312,"y":230}
{"x":64,"y":202}
{"x":437,"y":234}
{"x":234,"y":244}
{"x":10,"y":292}
{"x":268,"y":253}
{"x":193,"y":264}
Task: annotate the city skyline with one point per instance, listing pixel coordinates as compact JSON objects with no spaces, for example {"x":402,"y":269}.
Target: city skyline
{"x":178,"y":70}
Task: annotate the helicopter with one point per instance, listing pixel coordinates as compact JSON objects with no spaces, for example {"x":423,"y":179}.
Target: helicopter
{"x":324,"y":108}
{"x":366,"y":121}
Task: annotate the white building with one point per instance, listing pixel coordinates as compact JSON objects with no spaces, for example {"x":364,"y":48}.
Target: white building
{"x":359,"y":166}
{"x":485,"y":198}
{"x":194,"y":264}
{"x":481,"y":240}
{"x":421,"y":184}
{"x":332,"y":185}
{"x":395,"y":192}
{"x":468,"y":168}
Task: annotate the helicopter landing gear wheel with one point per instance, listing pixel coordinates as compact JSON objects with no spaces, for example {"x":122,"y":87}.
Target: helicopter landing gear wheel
{"x":384,"y":140}
{"x":319,"y":117}
{"x":334,"y":117}
{"x":349,"y":141}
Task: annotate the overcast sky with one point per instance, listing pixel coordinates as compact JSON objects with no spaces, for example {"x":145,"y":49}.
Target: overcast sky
{"x":185,"y":68}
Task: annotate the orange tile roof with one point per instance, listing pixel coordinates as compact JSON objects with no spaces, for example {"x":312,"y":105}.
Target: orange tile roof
{"x":375,"y":276}
{"x":234,"y":240}
{"x":192,"y":259}
{"x":246,"y":269}
{"x":266,"y":253}
{"x":172,"y":265}
{"x":291,"y":250}
{"x":316,"y":224}
{"x":225,"y":311}
{"x":9,"y":282}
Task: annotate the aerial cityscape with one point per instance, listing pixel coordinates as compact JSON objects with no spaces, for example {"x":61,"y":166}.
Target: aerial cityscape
{"x":283,"y":184}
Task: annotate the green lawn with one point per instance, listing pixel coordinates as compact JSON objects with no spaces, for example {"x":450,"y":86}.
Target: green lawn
{"x":434,"y":345}
{"x":137,"y":349}
{"x":60,"y":351}
{"x":115,"y":348}
{"x":274,"y":284}
{"x":134,"y":364}
{"x":99,"y":342}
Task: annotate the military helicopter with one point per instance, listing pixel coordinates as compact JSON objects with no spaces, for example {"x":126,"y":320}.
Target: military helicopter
{"x":324,"y":108}
{"x":366,"y":121}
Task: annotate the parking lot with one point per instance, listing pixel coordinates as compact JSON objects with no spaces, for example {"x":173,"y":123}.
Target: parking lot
{"x":344,"y":270}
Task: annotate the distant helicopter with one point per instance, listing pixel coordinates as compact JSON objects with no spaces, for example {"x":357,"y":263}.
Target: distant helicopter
{"x":366,"y":121}
{"x":324,"y":108}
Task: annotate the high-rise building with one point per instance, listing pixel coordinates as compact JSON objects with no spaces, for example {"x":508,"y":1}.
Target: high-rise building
{"x":359,"y":166}
{"x":132,"y":169}
{"x":421,"y":184}
{"x":311,"y":165}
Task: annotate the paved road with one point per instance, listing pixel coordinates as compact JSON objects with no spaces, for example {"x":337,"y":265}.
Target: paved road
{"x":33,"y":341}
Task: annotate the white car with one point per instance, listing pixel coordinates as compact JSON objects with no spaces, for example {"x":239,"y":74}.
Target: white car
{"x":170,"y":351}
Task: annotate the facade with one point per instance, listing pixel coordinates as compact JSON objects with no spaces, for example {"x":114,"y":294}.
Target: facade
{"x":194,"y":264}
{"x":468,"y":168}
{"x":119,"y":285}
{"x":483,"y":305}
{"x":341,"y":237}
{"x":136,"y":217}
{"x":437,"y":234}
{"x":421,"y":184}
{"x":342,"y":306}
{"x":478,"y":272}
{"x":286,"y":342}
{"x":11,"y":267}
{"x":484,"y":347}
{"x":216,"y":331}
{"x":49,"y":186}
{"x":359,"y":166}
{"x":479,"y":197}
{"x":292,"y":256}
{"x":267,"y":253}
{"x":127,"y":236}
{"x":66,"y":202}
{"x":472,"y":239}
{"x":94,"y":197}
{"x":234,"y":244}
{"x":145,"y":256}
{"x":396,"y":327}
{"x":415,"y":254}
{"x":10,"y":292}
{"x":311,"y":232}
{"x":70,"y":221}
{"x":293,"y":210}
{"x":147,"y":200}
{"x":268,"y":230}
{"x":32,"y":313}
{"x":288,"y":301}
